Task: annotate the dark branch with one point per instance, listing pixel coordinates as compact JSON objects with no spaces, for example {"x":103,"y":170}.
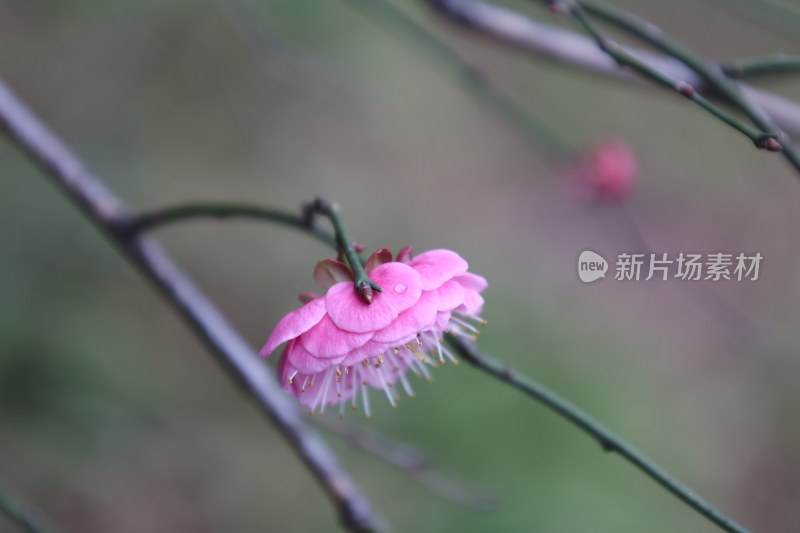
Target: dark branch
{"x":511,"y":28}
{"x":230,"y":350}
{"x":607,"y":440}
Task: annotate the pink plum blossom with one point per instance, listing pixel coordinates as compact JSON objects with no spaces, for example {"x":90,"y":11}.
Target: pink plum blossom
{"x":338,"y":345}
{"x":607,"y":171}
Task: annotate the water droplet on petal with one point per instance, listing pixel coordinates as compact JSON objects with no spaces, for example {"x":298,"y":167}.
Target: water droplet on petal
{"x":400,"y":288}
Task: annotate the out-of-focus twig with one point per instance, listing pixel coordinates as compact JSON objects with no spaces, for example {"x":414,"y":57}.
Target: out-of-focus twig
{"x":228,"y":347}
{"x":468,"y":76}
{"x":605,"y":437}
{"x":771,"y":137}
{"x":771,"y":14}
{"x":23,"y":515}
{"x":411,"y":460}
{"x":566,"y":47}
{"x":771,"y":65}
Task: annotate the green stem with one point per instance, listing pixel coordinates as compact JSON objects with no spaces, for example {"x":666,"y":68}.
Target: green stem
{"x":466,"y":75}
{"x":22,"y":514}
{"x":770,"y":137}
{"x":150,"y":220}
{"x":607,"y":439}
{"x":580,"y":11}
{"x":763,"y":66}
{"x":363,"y":285}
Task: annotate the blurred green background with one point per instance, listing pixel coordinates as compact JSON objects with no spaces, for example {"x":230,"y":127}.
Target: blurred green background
{"x":114,"y":418}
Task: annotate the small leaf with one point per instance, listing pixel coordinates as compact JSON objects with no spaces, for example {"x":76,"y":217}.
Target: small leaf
{"x":379,"y":257}
{"x":404,"y":255}
{"x":306,"y":297}
{"x":329,"y":272}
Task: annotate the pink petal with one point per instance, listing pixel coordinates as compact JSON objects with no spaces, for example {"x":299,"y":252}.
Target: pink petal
{"x":451,"y":295}
{"x":371,"y":349}
{"x":472,"y":281}
{"x":437,"y":266}
{"x":443,"y":320}
{"x":326,"y":340}
{"x":401,"y":289}
{"x":306,"y":362}
{"x":294,"y":324}
{"x":473,"y":303}
{"x":329,"y":272}
{"x":379,"y":257}
{"x":416,"y":318}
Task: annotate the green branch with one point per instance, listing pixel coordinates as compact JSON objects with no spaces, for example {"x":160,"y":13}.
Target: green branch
{"x":191,"y":211}
{"x":767,"y":135}
{"x":762,"y":138}
{"x":771,"y":65}
{"x":607,"y":439}
{"x":344,"y":244}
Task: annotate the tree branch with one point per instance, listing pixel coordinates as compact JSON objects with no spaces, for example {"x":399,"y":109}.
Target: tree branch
{"x":771,"y":65}
{"x":227,"y":346}
{"x":771,"y":137}
{"x":607,"y":440}
{"x":409,"y":459}
{"x":566,"y":47}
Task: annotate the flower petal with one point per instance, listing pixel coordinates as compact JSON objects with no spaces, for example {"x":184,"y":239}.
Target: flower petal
{"x":295,"y":324}
{"x":401,"y":289}
{"x":306,"y":362}
{"x":473,"y":304}
{"x":326,"y":340}
{"x":329,"y":272}
{"x":472,"y":281}
{"x":451,"y":295}
{"x":437,"y":266}
{"x":416,"y":318}
{"x":370,"y":349}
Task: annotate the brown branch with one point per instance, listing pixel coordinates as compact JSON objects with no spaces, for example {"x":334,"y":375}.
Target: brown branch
{"x":227,"y":346}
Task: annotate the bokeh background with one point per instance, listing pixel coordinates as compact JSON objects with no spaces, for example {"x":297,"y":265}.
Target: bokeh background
{"x":114,"y":418}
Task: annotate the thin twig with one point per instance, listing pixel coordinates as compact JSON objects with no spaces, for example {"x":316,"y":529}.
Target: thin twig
{"x":607,"y":439}
{"x":22,"y":514}
{"x":233,"y":353}
{"x":580,"y":10}
{"x":409,"y":459}
{"x":150,"y":220}
{"x":771,"y":65}
{"x":467,"y":75}
{"x":345,"y":245}
{"x":771,"y":136}
{"x":405,"y":457}
{"x":475,"y":83}
{"x":511,"y":28}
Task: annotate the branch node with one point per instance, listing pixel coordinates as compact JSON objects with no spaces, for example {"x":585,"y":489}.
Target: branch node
{"x":769,"y":143}
{"x":684,"y":89}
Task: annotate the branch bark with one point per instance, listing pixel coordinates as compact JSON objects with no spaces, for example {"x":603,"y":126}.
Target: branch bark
{"x":227,"y":346}
{"x":566,"y":47}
